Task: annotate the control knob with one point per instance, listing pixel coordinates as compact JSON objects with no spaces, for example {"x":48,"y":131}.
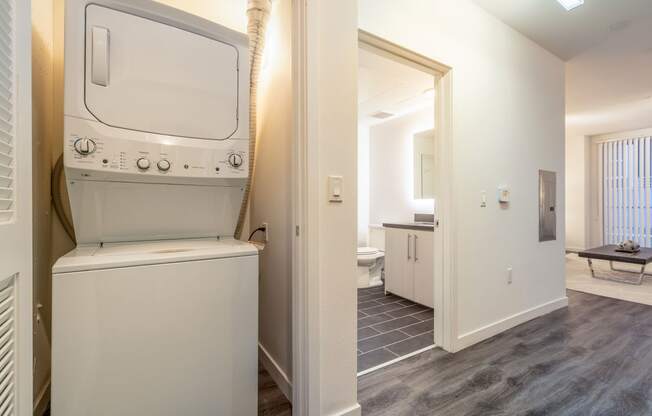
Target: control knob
{"x":235,"y":160}
{"x":143,"y":163}
{"x":85,"y":146}
{"x":163,"y":165}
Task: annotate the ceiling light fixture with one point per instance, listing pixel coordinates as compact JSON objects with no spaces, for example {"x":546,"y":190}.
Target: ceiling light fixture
{"x":571,"y":4}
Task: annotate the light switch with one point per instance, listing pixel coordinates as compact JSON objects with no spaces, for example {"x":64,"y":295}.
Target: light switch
{"x":335,"y":188}
{"x":503,"y":194}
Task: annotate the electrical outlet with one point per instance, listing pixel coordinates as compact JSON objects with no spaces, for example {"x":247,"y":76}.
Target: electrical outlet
{"x":509,"y":275}
{"x":266,"y":225}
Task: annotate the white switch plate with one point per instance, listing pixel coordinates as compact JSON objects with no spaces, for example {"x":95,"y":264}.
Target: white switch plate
{"x":335,"y":188}
{"x":503,"y":194}
{"x":509,"y":275}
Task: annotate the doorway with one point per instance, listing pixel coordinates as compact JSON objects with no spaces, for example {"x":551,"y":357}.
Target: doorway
{"x":402,"y":202}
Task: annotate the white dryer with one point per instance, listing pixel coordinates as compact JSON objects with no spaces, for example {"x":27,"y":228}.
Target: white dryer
{"x":155,"y":311}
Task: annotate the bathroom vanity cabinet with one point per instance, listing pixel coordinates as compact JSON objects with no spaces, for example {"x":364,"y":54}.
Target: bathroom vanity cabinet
{"x":409,"y":265}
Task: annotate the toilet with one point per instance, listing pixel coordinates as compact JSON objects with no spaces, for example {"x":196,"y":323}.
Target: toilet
{"x":371,"y":260}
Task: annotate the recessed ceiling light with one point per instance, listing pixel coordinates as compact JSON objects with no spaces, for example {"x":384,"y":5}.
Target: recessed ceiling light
{"x":571,"y":4}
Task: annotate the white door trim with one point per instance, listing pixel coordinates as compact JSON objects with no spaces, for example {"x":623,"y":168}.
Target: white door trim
{"x":23,"y":175}
{"x":305,"y":296}
{"x":445,"y":296}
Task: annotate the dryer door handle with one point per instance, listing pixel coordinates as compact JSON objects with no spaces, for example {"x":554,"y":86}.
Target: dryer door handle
{"x":100,"y":56}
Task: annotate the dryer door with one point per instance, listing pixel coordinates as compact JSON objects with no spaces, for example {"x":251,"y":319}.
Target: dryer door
{"x":149,"y":76}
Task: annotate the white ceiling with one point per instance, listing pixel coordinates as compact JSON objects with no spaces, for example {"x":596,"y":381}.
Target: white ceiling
{"x":567,"y":34}
{"x":609,"y":87}
{"x":607,"y":46}
{"x":389,"y":86}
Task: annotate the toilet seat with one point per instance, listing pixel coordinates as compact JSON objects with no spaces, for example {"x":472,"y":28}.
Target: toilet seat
{"x":369,"y":252}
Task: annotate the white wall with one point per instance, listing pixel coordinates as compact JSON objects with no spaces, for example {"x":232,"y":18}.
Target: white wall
{"x":332,"y":65}
{"x":363,"y":185}
{"x":229,"y":13}
{"x":507,"y":123}
{"x":391,"y":167}
{"x":271,"y":195}
{"x":577,"y":192}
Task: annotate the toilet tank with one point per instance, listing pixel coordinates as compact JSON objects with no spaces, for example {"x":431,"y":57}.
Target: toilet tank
{"x":377,"y":237}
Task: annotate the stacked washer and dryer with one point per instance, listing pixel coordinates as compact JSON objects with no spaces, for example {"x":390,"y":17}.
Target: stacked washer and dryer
{"x":156,"y":310}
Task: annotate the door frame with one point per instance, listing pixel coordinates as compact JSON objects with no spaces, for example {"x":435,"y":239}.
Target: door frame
{"x":445,"y":299}
{"x":306,"y":389}
{"x":23,"y":178}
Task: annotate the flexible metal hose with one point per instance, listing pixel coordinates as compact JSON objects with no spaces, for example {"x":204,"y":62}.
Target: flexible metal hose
{"x":57,"y":200}
{"x":258,"y":12}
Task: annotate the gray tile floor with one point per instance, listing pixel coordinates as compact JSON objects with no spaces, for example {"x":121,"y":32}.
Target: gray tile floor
{"x":389,"y":327}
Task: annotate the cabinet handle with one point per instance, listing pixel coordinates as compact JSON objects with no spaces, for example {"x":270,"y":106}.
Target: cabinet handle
{"x":415,"y":248}
{"x":408,"y":246}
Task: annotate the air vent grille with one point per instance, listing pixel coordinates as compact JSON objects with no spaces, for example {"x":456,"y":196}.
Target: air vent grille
{"x":7,"y":347}
{"x":7,"y":111}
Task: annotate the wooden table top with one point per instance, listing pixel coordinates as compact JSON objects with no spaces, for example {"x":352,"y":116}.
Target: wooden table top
{"x":644,"y":256}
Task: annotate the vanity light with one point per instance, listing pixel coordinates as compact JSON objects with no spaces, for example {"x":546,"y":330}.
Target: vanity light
{"x":571,"y":4}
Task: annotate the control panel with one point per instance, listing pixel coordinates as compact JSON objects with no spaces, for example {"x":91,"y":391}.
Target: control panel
{"x":121,"y":156}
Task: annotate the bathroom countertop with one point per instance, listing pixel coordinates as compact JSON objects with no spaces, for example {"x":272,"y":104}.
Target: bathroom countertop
{"x":420,"y":226}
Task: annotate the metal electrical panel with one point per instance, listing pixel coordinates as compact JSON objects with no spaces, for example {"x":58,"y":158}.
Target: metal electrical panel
{"x":547,"y":205}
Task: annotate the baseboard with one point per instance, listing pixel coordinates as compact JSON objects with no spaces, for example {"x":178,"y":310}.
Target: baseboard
{"x":574,"y":250}
{"x":351,"y":411}
{"x":395,"y":360}
{"x":42,"y":400}
{"x":473,"y":337}
{"x":276,"y":372}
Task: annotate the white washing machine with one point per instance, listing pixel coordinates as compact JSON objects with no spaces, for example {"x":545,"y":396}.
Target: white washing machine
{"x":155,"y":311}
{"x":156,"y":328}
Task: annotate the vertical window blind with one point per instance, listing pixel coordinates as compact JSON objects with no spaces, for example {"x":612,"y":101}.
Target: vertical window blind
{"x":7,"y":116}
{"x":625,"y":170}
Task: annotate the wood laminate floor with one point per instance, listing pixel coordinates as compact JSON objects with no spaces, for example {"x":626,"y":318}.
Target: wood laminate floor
{"x":592,"y":358}
{"x":271,"y":401}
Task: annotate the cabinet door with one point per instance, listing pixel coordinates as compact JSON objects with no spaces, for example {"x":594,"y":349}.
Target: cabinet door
{"x":423,"y":255}
{"x":396,"y":260}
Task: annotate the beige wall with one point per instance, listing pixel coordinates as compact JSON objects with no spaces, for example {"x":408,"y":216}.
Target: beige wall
{"x":577,"y":192}
{"x":229,"y":13}
{"x":271,"y":195}
{"x":43,"y":136}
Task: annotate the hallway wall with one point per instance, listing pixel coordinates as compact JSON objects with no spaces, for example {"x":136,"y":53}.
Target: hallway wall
{"x":507,"y":123}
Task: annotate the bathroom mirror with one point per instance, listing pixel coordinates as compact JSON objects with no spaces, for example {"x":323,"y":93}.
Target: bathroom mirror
{"x":424,"y":164}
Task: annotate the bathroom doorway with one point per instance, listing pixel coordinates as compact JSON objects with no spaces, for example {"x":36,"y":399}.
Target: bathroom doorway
{"x":400,"y":246}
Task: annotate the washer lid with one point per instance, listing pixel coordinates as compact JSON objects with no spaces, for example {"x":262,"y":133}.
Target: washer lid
{"x":114,"y":255}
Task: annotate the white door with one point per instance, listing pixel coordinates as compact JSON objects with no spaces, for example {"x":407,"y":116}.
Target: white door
{"x":15,"y":209}
{"x":424,"y":271}
{"x":398,"y":262}
{"x":395,"y":253}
